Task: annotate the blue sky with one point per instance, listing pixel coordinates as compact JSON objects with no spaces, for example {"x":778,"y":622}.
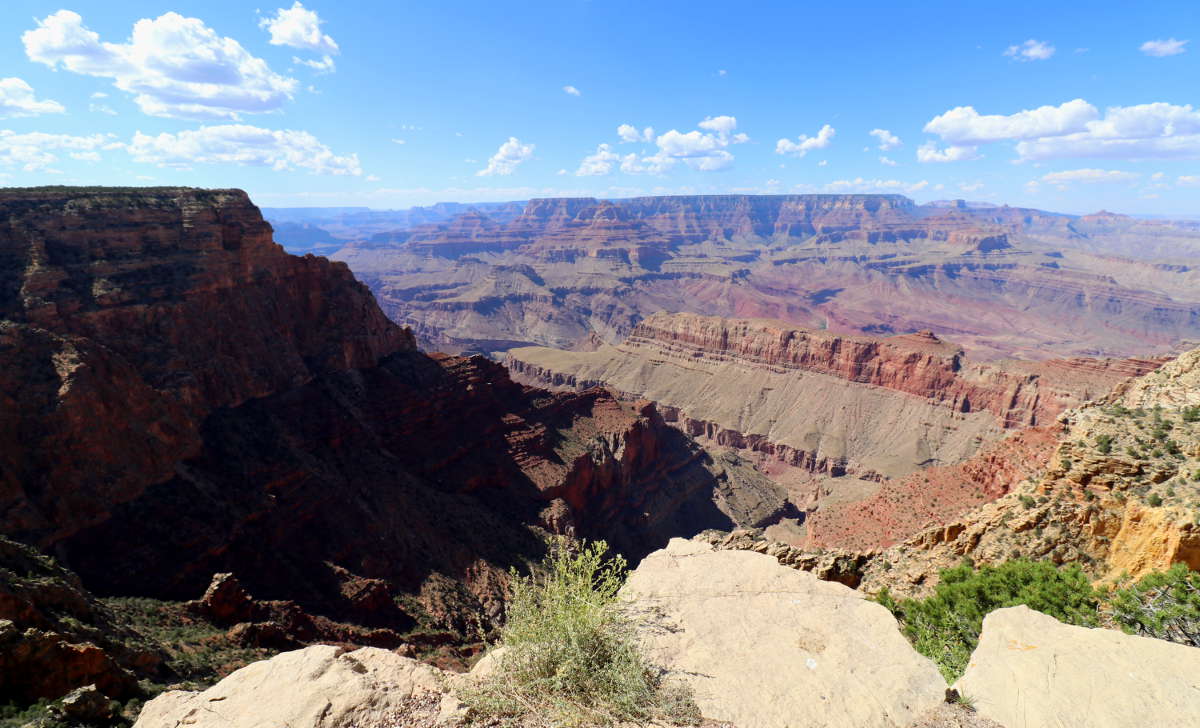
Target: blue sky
{"x":1064,"y":106}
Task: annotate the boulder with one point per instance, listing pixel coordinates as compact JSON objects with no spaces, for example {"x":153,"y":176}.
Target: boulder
{"x":764,"y":645}
{"x":317,"y":687}
{"x":1032,"y":671}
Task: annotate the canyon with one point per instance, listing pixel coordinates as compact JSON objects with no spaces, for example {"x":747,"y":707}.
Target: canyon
{"x":182,"y":398}
{"x":571,"y":273}
{"x":257,"y":447}
{"x":836,"y":417}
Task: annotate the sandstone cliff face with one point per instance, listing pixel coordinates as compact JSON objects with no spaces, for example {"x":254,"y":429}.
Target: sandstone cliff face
{"x":824,"y":402}
{"x":179,"y":397}
{"x":128,"y":316}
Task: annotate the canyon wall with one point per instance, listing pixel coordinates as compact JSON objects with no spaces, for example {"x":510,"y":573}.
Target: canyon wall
{"x":178,"y":397}
{"x":1001,"y":282}
{"x":827,"y":402}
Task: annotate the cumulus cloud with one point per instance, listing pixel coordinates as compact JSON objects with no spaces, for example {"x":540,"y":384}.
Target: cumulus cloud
{"x":571,"y":90}
{"x":507,"y":158}
{"x":17,"y":99}
{"x":965,"y":126}
{"x":1188,"y":180}
{"x":1145,"y":131}
{"x":629,"y":133}
{"x":36,"y":151}
{"x":1074,"y":129}
{"x":887,"y":140}
{"x":600,"y":163}
{"x":1030,"y":50}
{"x":244,"y":145}
{"x":298,"y":27}
{"x":174,"y":66}
{"x":805,"y":143}
{"x":929,"y":152}
{"x":887,"y":162}
{"x":1163,"y":48}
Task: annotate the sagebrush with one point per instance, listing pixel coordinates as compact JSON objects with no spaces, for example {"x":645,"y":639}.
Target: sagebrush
{"x":570,"y":656}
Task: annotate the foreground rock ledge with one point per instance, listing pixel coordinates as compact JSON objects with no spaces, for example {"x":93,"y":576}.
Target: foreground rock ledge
{"x":767,"y":646}
{"x":317,"y":687}
{"x":1032,"y":671}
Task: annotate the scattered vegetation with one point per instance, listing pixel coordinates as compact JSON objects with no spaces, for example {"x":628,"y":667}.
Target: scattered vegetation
{"x":1164,"y":605}
{"x":570,"y":655}
{"x":945,"y":627}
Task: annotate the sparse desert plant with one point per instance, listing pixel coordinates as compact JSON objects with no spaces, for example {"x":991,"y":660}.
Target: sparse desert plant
{"x":945,"y":627}
{"x":1154,"y":500}
{"x":1164,"y":605}
{"x":570,"y":655}
{"x":1191,"y":414}
{"x":1104,"y":443}
{"x":1028,"y":501}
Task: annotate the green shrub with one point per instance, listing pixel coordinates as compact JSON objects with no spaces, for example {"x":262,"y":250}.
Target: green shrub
{"x":1154,"y":500}
{"x":1191,"y":414}
{"x":1164,"y":605}
{"x":1104,"y":443}
{"x":945,"y":626}
{"x":1027,"y":501}
{"x":571,"y":657}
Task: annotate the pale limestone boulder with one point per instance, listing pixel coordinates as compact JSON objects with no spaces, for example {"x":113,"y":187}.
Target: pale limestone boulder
{"x":1032,"y":671}
{"x":765,"y":646}
{"x":317,"y":687}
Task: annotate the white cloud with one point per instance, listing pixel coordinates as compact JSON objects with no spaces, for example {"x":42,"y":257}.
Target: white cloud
{"x":1162,"y":48}
{"x":1088,"y":176}
{"x":1031,"y":50}
{"x":600,"y":163}
{"x":1188,"y":180}
{"x":887,"y":140}
{"x":859,"y":184}
{"x":399,"y":141}
{"x":929,"y":152}
{"x":507,"y":158}
{"x":17,"y":99}
{"x":1073,"y":129}
{"x":572,"y":91}
{"x":325,"y":65}
{"x":887,"y":162}
{"x":964,"y":126}
{"x":805,"y":143}
{"x":372,"y":178}
{"x":243,"y":145}
{"x":719,"y":124}
{"x":823,"y":163}
{"x":1145,"y":131}
{"x":298,"y":27}
{"x":36,"y":151}
{"x":722,"y":72}
{"x":174,"y":66}
{"x":629,"y":133}
{"x":971,"y":187}
{"x":102,"y":109}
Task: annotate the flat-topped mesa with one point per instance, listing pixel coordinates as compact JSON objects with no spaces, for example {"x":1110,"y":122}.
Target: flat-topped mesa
{"x":587,"y":225}
{"x":1019,"y":394}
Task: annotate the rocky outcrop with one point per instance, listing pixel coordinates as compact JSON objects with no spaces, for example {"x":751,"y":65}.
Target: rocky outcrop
{"x":995,"y":280}
{"x":835,"y":658}
{"x":55,"y":636}
{"x":1032,"y":671}
{"x":317,"y":687}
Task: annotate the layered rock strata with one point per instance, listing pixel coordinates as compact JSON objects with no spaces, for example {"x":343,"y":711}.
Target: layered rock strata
{"x":179,"y":397}
{"x":829,"y":403}
{"x":1001,"y":281}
